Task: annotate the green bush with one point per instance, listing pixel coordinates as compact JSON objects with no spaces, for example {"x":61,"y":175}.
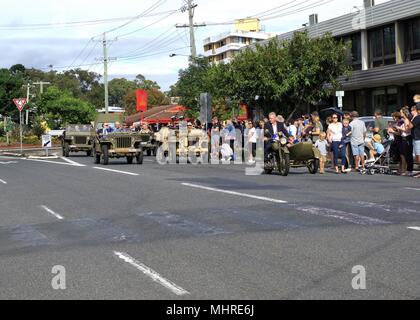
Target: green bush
{"x":31,"y":140}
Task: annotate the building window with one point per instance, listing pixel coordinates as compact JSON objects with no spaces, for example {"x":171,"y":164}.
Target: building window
{"x":386,"y":100}
{"x":412,"y":32}
{"x":382,"y":46}
{"x":355,"y":53}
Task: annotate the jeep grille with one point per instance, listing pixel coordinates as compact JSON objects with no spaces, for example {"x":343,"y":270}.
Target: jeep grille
{"x":123,"y":142}
{"x":145,"y":138}
{"x":80,"y":140}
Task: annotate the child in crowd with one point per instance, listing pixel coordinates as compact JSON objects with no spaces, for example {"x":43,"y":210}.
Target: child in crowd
{"x":346,"y":141}
{"x":322,"y":145}
{"x":378,"y":147}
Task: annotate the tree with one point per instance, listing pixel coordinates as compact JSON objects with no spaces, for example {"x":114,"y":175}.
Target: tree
{"x":10,"y":88}
{"x":60,"y":108}
{"x":192,"y":82}
{"x":277,"y":76}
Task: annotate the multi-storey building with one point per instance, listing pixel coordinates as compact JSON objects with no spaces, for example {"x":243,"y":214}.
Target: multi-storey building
{"x":385,"y":54}
{"x":223,"y":47}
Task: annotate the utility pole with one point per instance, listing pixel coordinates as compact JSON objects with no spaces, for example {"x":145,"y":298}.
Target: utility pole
{"x":191,"y":11}
{"x":106,"y":59}
{"x":105,"y":45}
{"x":28,"y":96}
{"x":41,"y":85}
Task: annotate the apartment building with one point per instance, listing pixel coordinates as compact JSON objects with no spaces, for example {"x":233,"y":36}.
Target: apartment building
{"x":385,"y":54}
{"x":223,"y":47}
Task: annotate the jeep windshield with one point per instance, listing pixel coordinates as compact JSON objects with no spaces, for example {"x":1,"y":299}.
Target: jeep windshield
{"x":78,"y":128}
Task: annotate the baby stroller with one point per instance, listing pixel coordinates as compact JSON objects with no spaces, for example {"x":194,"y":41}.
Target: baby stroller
{"x":380,"y":164}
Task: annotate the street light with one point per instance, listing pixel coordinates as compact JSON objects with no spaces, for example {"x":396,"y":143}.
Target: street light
{"x":178,"y":55}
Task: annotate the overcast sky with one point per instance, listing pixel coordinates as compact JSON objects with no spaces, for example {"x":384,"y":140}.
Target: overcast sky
{"x":63,"y":46}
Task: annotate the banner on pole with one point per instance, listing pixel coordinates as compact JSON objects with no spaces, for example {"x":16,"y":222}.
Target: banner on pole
{"x":141,"y":99}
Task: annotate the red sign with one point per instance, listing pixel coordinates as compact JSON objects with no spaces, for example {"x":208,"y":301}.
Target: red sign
{"x":20,"y":103}
{"x":141,"y":97}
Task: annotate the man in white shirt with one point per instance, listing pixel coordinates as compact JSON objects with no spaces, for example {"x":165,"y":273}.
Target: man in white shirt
{"x":358,"y":129}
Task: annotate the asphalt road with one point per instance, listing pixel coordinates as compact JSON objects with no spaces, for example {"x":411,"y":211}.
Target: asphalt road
{"x":204,"y":232}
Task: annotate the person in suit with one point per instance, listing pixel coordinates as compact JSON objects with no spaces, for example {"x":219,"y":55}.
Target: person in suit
{"x":273,"y":127}
{"x":106,"y":129}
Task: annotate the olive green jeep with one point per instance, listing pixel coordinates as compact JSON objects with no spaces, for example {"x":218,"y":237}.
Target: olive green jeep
{"x":119,"y":145}
{"x":77,"y":138}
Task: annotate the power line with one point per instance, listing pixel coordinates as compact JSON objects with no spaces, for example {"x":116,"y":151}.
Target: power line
{"x":80,"y":54}
{"x":314,"y":5}
{"x":169,"y":42}
{"x":75,"y":24}
{"x":151,"y":54}
{"x":273,"y":9}
{"x":155,"y":41}
{"x":147,"y":26}
{"x":141,"y":15}
{"x":268,"y":17}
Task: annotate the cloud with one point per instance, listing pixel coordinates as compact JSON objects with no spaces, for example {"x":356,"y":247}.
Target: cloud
{"x":60,"y":46}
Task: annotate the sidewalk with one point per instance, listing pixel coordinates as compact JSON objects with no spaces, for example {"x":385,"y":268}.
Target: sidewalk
{"x":26,"y":151}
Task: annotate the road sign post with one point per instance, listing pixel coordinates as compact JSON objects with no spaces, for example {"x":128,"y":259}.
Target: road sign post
{"x":340,"y":95}
{"x":20,"y":104}
{"x":46,"y":143}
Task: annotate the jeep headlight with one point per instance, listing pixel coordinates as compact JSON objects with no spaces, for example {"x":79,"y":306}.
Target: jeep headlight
{"x":283,"y":141}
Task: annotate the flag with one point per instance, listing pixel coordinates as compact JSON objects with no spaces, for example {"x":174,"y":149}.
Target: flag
{"x":141,"y":97}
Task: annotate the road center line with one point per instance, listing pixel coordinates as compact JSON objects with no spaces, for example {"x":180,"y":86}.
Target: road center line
{"x":414,"y":228}
{"x":416,"y":189}
{"x":117,"y":171}
{"x":52,"y":212}
{"x":2,"y":181}
{"x":76,"y":164}
{"x":233,"y":193}
{"x":152,"y":274}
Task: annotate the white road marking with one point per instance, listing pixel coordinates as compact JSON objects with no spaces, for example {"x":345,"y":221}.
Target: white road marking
{"x":2,"y":181}
{"x":416,"y":189}
{"x":8,"y":162}
{"x":53,"y":162}
{"x":342,"y":215}
{"x":76,"y":164}
{"x":414,"y":228}
{"x":152,"y":274}
{"x":233,"y":193}
{"x":53,"y":213}
{"x":117,"y":171}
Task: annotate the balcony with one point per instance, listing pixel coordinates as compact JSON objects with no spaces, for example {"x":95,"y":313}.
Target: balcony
{"x":224,"y":49}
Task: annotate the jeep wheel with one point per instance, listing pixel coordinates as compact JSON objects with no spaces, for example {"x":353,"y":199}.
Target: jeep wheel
{"x":149,"y":153}
{"x":89,"y":153}
{"x":139,"y":158}
{"x":66,"y":150}
{"x":130,"y":160}
{"x":105,"y":155}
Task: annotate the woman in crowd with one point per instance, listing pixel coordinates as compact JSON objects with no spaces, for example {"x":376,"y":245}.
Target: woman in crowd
{"x":398,"y":141}
{"x":335,"y":136}
{"x":252,"y":142}
{"x":407,"y":140}
{"x":317,"y":128}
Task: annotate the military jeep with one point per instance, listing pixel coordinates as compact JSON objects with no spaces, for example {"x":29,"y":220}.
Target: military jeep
{"x":119,"y":145}
{"x":77,"y":138}
{"x":150,"y":148}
